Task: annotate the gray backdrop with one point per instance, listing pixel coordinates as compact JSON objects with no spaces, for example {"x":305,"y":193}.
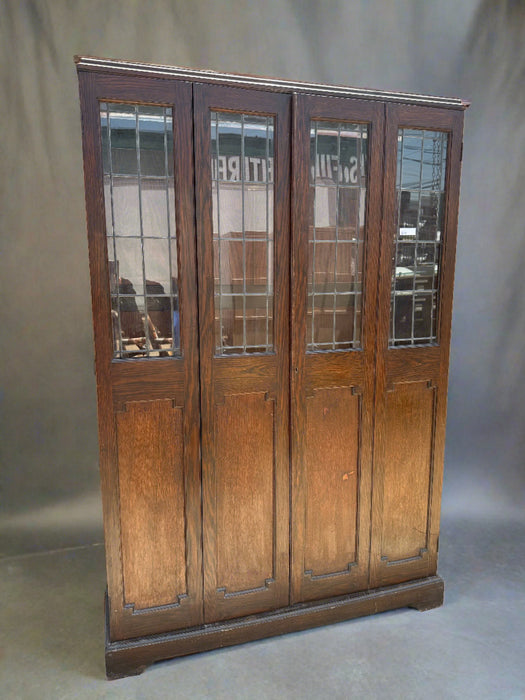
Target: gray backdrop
{"x":472,"y":49}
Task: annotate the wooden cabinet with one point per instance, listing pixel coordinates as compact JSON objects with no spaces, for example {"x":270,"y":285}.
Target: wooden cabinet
{"x":272,"y":270}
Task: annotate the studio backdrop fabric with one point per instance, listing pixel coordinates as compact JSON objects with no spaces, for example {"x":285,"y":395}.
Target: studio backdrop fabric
{"x":49,"y":479}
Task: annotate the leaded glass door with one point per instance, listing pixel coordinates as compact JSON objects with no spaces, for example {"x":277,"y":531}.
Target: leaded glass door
{"x":242,"y":209}
{"x":421,"y":190}
{"x":336,"y":200}
{"x":139,"y":191}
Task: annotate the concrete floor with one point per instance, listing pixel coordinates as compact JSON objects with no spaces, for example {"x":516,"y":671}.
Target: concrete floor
{"x":51,"y":636}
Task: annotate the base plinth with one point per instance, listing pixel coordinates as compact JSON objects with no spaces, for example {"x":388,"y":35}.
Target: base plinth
{"x":133,"y":656}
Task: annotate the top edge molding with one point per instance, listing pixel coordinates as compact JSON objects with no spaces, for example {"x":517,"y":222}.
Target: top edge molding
{"x":106,"y":65}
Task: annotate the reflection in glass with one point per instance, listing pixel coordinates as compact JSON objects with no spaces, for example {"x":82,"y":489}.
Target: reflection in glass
{"x":338,"y":180}
{"x":242,"y":151}
{"x":137,"y":149}
{"x":421,"y":168}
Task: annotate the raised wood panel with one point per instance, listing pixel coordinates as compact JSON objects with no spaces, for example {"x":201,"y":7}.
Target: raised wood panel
{"x":244,"y":474}
{"x":332,"y":465}
{"x":151,"y":488}
{"x":408,"y":464}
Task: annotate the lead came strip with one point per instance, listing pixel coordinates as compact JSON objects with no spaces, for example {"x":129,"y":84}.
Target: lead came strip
{"x":141,"y":228}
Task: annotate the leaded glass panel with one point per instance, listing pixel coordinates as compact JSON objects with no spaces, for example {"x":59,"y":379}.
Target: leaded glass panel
{"x":242,"y":147}
{"x":137,"y":148}
{"x":420,"y":186}
{"x":338,"y":182}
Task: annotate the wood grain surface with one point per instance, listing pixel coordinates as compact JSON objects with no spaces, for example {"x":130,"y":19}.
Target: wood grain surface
{"x":409,"y":421}
{"x":151,"y":489}
{"x":332,"y":448}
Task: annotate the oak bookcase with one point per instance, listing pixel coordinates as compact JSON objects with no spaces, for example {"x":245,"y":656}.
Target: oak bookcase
{"x":272,"y":270}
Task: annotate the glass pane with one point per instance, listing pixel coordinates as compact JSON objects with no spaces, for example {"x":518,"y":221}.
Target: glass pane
{"x":408,"y":213}
{"x":336,"y":231}
{"x":431,"y":216}
{"x":128,"y":265}
{"x":242,"y":201}
{"x":325,"y":212}
{"x":230,"y":210}
{"x":255,"y":210}
{"x":433,"y":165}
{"x":231,"y":323}
{"x":258,"y":324}
{"x":324,"y":271}
{"x":349,"y":266}
{"x":137,"y":142}
{"x":421,"y":168}
{"x":160,"y":320}
{"x":349,"y":213}
{"x":230,"y":266}
{"x":323,"y":319}
{"x":347,"y":324}
{"x":125,"y":202}
{"x":412,"y":145}
{"x":155,"y":208}
{"x":132,"y":329}
{"x":256,"y":267}
{"x":157,"y":265}
{"x":122,"y":120}
{"x":152,"y":132}
{"x":255,"y":149}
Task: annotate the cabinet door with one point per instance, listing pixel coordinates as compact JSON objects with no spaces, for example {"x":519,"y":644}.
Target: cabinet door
{"x":421,"y":192}
{"x":137,"y":139}
{"x":242,"y":209}
{"x":336,"y":215}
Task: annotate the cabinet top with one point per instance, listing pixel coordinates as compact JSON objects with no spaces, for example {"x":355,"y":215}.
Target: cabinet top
{"x":106,"y":65}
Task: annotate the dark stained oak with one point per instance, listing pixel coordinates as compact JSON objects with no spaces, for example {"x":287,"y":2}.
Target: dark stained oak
{"x":246,"y":496}
{"x":134,"y":656}
{"x":151,"y":488}
{"x":134,"y":68}
{"x":332,"y":478}
{"x":409,"y":421}
{"x":244,"y":484}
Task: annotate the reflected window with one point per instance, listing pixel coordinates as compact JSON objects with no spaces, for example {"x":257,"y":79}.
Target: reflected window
{"x":420,"y":186}
{"x":137,"y":147}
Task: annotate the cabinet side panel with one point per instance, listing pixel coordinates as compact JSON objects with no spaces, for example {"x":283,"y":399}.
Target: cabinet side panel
{"x":409,"y":419}
{"x":332,"y":438}
{"x":151,"y":485}
{"x":244,"y":472}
